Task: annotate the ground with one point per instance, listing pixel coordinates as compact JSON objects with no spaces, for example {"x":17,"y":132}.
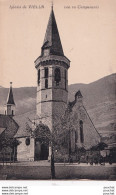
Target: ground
{"x":42,"y":170}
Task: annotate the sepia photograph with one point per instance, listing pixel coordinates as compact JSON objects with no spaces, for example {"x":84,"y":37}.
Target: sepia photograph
{"x":58,"y":90}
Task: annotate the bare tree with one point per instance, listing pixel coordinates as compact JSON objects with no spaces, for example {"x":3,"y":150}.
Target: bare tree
{"x":8,"y":144}
{"x":58,"y":138}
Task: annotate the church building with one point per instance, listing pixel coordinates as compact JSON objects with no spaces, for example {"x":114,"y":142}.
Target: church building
{"x":52,"y":103}
{"x":52,"y":100}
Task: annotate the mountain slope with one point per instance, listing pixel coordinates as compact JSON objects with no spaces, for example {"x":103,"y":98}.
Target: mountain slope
{"x":99,"y":99}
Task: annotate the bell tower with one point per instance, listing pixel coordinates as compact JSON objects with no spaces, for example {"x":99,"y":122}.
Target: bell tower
{"x":52,"y":76}
{"x":10,"y":105}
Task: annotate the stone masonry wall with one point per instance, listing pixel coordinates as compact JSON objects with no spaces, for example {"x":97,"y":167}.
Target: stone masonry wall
{"x":52,"y":101}
{"x":90,"y":134}
{"x":24,"y":152}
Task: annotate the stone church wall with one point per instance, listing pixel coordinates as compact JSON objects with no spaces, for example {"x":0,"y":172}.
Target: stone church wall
{"x":90,"y":135}
{"x":25,"y":152}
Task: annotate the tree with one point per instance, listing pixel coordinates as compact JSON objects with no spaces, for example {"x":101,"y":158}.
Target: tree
{"x":43,"y":133}
{"x":58,"y":138}
{"x":99,"y":146}
{"x":8,"y":144}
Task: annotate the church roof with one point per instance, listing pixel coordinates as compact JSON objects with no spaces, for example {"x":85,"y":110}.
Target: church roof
{"x":52,"y":38}
{"x":8,"y":126}
{"x":10,"y":99}
{"x":24,"y":123}
{"x":2,"y":129}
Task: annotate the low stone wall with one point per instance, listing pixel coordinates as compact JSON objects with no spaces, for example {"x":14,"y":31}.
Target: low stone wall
{"x":62,"y":172}
{"x":86,"y":172}
{"x":25,"y":172}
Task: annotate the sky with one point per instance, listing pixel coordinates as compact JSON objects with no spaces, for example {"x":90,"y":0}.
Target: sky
{"x":87,"y":37}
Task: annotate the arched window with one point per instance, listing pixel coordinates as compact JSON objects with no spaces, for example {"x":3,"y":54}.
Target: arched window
{"x":57,"y":76}
{"x":46,"y":72}
{"x":46,"y":83}
{"x":81,"y":131}
{"x":38,"y":76}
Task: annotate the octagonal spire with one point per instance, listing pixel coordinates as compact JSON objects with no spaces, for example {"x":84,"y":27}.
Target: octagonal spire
{"x":52,"y":38}
{"x":10,"y":99}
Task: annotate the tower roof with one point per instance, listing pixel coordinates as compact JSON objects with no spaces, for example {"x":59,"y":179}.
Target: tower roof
{"x":10,"y":99}
{"x":52,"y":38}
{"x":78,"y":94}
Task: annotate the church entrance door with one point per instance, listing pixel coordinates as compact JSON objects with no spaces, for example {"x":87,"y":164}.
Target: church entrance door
{"x":44,"y":152}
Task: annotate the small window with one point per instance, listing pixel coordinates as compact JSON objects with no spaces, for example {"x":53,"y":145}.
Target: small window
{"x":46,"y":83}
{"x":46,"y":72}
{"x":76,"y":136}
{"x":81,"y":132}
{"x":12,"y":113}
{"x":38,"y":76}
{"x":46,"y":52}
{"x":27,"y":141}
{"x":57,"y":76}
{"x":5,"y":112}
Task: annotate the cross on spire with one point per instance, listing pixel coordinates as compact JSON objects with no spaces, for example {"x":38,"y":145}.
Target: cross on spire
{"x":10,"y":84}
{"x":52,"y":5}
